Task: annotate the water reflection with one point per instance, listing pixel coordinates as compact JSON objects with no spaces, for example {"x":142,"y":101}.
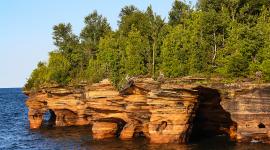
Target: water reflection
{"x":15,"y":134}
{"x":80,"y":138}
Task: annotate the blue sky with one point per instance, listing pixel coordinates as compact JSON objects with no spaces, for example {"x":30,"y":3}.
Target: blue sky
{"x":26,"y":29}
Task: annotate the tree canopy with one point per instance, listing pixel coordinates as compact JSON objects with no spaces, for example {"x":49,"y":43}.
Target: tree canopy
{"x":225,"y":38}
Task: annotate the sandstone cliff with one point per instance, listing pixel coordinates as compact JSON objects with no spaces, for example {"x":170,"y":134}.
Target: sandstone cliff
{"x":171,"y":111}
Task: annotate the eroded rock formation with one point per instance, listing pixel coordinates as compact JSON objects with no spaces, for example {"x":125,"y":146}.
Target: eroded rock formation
{"x":171,"y":111}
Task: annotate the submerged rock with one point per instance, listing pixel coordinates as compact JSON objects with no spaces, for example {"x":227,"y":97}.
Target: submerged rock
{"x":167,"y":111}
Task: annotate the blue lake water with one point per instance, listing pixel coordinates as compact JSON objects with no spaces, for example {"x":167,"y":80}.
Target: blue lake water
{"x":15,"y":134}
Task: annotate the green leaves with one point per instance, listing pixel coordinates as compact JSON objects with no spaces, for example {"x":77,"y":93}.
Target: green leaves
{"x":174,"y":53}
{"x":136,"y":53}
{"x":237,"y":66}
{"x":265,"y":67}
{"x":38,"y":77}
{"x":109,"y":56}
{"x":58,"y":68}
{"x":95,"y":71}
{"x":179,"y":12}
{"x":228,"y":38}
{"x":96,"y":26}
{"x":64,"y":39}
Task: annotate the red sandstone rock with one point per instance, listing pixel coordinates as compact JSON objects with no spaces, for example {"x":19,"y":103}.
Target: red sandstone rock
{"x":35,"y":120}
{"x":102,"y":130}
{"x":127,"y":132}
{"x":173,"y":111}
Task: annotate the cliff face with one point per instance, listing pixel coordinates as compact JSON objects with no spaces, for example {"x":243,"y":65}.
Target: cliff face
{"x":173,"y":111}
{"x":249,"y":106}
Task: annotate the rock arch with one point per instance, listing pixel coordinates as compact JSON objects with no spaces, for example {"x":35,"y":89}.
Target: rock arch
{"x":65,"y":117}
{"x":49,"y":118}
{"x":40,"y":117}
{"x":108,"y":127}
{"x":211,"y":119}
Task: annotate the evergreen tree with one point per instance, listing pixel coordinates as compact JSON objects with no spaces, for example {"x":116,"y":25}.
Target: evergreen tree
{"x":58,"y":69}
{"x":175,"y":53}
{"x":128,"y":10}
{"x":109,"y":54}
{"x":179,"y":12}
{"x":137,"y":52}
{"x":96,"y":27}
{"x":155,"y":38}
{"x":64,"y":39}
{"x":38,"y":77}
{"x":227,"y":38}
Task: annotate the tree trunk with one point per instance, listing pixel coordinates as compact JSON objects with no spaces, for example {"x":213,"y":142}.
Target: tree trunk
{"x":223,"y":38}
{"x":215,"y":49}
{"x":153,"y":56}
{"x":201,"y":34}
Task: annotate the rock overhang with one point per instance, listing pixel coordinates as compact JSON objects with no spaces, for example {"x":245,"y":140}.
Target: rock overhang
{"x":164,"y":111}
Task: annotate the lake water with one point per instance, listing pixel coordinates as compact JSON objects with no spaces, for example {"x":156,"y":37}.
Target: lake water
{"x":15,"y":134}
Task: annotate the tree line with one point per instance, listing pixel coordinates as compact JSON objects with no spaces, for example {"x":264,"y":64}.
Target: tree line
{"x":225,"y":38}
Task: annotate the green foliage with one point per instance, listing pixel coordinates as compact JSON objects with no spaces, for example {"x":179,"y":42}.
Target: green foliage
{"x":135,"y":19}
{"x":64,"y":39}
{"x":95,"y":71}
{"x":136,"y":53}
{"x":206,"y":5}
{"x":265,"y":67}
{"x":237,"y":66}
{"x":128,"y":10}
{"x":227,"y":38}
{"x":96,"y":26}
{"x":58,"y":68}
{"x":155,"y":38}
{"x":37,"y":78}
{"x":174,"y":53}
{"x":179,"y":12}
{"x":70,"y":48}
{"x":109,"y":55}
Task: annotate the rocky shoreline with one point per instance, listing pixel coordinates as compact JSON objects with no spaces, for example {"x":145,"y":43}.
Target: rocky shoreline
{"x":168,"y":111}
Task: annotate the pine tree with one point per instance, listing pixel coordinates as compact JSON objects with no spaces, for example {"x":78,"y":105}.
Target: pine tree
{"x":136,"y":53}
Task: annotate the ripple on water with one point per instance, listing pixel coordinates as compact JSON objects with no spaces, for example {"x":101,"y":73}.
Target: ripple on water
{"x":15,"y":134}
